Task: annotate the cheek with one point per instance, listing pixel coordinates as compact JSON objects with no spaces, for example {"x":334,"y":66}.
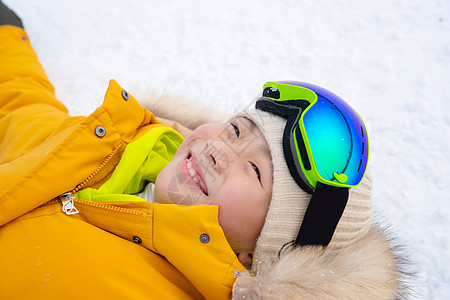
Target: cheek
{"x":235,"y":200}
{"x":168,"y":184}
{"x":241,"y":215}
{"x":161,"y":184}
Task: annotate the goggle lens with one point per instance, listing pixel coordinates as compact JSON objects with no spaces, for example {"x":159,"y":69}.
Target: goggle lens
{"x":335,"y":125}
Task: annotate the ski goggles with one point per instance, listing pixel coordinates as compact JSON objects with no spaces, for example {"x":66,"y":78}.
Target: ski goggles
{"x":325,"y":140}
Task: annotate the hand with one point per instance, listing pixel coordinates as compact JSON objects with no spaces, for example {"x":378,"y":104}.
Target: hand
{"x":9,"y":17}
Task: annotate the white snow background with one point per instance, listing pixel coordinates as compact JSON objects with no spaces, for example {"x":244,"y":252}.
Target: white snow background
{"x":390,"y":59}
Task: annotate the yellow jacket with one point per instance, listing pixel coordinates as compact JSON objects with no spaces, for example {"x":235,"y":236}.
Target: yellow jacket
{"x":109,"y":250}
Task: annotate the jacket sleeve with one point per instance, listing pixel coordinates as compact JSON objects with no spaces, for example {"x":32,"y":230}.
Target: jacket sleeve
{"x":27,"y":99}
{"x":43,"y":151}
{"x":30,"y":119}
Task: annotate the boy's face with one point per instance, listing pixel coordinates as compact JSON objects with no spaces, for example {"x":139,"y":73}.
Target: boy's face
{"x":226,"y":164}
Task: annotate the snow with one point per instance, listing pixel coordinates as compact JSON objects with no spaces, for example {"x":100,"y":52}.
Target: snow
{"x":390,"y":59}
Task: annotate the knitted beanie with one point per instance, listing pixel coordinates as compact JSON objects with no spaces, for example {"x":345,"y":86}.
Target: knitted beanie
{"x":289,"y":202}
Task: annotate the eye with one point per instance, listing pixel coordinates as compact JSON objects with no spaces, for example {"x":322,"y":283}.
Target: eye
{"x":236,"y":129}
{"x":258,"y":174}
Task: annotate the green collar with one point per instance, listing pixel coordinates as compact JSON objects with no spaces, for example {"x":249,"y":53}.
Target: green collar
{"x":141,"y":162}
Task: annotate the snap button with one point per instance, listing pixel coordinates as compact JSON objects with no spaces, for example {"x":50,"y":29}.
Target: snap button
{"x":137,"y":239}
{"x":100,"y":131}
{"x":204,"y":238}
{"x":125,"y":95}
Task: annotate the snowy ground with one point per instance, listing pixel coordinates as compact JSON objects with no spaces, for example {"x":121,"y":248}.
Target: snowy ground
{"x":390,"y":59}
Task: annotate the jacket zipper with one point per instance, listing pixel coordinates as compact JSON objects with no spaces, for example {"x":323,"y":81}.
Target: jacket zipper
{"x":112,"y":208}
{"x":68,"y":200}
{"x":99,"y":168}
{"x":68,"y":205}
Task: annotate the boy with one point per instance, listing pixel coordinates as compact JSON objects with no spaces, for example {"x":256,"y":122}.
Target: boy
{"x":102,"y":240}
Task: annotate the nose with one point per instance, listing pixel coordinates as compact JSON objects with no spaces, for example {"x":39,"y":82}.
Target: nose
{"x":219,"y":155}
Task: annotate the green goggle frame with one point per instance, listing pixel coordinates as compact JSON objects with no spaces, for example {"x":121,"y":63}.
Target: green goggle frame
{"x":325,"y":140}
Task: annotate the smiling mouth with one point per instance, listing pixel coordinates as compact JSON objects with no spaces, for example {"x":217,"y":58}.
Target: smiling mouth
{"x":194,"y":172}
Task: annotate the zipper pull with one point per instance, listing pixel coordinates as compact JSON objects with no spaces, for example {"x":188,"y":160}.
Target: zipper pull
{"x":67,"y":204}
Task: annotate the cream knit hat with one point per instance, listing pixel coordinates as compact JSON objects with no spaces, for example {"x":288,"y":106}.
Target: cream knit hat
{"x":289,"y":202}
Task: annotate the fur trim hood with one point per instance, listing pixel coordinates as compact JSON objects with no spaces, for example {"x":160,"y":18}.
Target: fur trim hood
{"x":176,"y":108}
{"x":370,"y":269}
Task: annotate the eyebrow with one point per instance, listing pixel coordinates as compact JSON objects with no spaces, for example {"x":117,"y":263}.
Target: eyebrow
{"x":252,"y":124}
{"x":264,"y":149}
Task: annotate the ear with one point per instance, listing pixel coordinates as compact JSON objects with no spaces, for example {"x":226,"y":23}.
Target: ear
{"x":246,"y":259}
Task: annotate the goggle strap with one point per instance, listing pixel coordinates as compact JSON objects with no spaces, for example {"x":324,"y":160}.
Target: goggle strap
{"x":322,"y":216}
